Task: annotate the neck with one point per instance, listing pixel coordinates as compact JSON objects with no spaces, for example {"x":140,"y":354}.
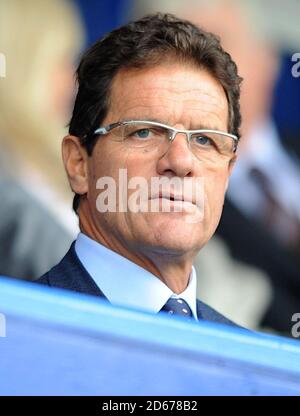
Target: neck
{"x":173,"y":269}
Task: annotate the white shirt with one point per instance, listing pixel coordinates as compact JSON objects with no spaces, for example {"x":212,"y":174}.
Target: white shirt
{"x":125,"y":283}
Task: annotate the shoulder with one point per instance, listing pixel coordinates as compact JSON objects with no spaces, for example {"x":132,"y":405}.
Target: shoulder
{"x":58,"y":275}
{"x":70,"y":274}
{"x":44,"y":280}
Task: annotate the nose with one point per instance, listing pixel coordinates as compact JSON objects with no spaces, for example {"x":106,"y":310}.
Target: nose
{"x":178,"y":159}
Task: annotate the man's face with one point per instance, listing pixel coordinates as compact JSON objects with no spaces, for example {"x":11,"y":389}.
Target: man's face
{"x":180,"y":96}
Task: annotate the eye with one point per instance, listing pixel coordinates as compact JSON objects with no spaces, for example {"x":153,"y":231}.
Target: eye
{"x":203,"y":140}
{"x":142,"y":133}
{"x":147,"y":133}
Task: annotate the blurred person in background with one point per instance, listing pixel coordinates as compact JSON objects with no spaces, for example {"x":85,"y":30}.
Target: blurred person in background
{"x":258,"y":248}
{"x":41,"y":41}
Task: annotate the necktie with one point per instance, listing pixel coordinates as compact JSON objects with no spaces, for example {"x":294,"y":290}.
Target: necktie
{"x":177,"y":307}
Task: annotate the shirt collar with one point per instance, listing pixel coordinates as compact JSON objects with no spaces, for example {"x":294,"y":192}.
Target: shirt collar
{"x":127,"y":284}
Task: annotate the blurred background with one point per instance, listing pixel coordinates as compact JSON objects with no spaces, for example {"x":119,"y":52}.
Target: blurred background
{"x":250,"y":270}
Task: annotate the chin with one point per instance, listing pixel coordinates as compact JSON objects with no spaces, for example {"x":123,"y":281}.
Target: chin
{"x":177,"y":221}
{"x":175,"y":233}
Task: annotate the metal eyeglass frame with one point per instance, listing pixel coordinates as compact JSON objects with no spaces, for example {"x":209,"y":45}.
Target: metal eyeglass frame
{"x":106,"y":129}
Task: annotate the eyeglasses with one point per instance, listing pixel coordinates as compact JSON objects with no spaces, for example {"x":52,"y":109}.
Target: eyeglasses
{"x":151,"y":135}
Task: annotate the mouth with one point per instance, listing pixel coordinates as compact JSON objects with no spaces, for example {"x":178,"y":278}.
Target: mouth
{"x":173,"y":197}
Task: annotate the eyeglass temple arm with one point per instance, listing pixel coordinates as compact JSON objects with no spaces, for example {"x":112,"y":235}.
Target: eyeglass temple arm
{"x":106,"y":129}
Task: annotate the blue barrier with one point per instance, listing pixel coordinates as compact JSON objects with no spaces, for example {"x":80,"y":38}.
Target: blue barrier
{"x":62,"y":343}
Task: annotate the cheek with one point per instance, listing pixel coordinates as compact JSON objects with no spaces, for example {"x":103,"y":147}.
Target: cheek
{"x":101,"y":165}
{"x":215,"y":188}
{"x":106,"y":160}
{"x":119,"y":164}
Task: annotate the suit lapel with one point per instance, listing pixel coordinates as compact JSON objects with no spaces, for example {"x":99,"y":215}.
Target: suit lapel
{"x":207,"y":313}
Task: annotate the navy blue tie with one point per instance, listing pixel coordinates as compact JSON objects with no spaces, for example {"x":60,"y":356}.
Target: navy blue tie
{"x":177,"y":307}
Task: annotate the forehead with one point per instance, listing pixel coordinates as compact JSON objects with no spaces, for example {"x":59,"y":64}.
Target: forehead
{"x":173,"y":93}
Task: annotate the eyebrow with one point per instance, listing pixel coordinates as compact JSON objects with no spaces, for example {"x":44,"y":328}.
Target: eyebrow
{"x":199,"y":126}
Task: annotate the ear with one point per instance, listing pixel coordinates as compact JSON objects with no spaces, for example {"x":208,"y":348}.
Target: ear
{"x":75,"y":159}
{"x":230,"y":168}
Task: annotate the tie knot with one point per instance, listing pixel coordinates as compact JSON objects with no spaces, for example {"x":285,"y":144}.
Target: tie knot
{"x":177,"y":307}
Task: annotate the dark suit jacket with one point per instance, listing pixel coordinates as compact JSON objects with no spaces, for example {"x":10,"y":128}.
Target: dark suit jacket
{"x":70,"y":274}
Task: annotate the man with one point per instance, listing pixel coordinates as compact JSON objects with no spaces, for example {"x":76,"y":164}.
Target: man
{"x":157,"y":98}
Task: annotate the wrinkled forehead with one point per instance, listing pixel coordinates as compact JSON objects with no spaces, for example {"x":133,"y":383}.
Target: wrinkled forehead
{"x":169,"y":93}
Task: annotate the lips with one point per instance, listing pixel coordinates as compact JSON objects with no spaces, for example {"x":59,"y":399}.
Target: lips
{"x":173,"y":197}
